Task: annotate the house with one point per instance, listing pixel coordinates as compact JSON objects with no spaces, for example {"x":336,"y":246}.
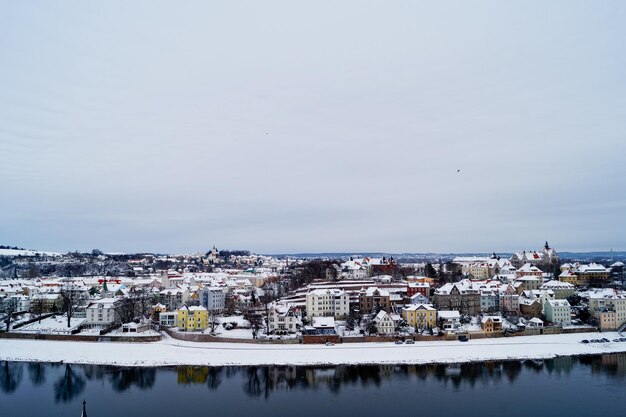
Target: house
{"x":103,"y":313}
{"x":353,"y":269}
{"x":458,"y":296}
{"x":420,"y":316}
{"x":530,"y":307}
{"x":509,"y":300}
{"x":418,"y":299}
{"x":323,"y":325}
{"x":449,"y":320}
{"x":174,"y":297}
{"x":491,"y":324}
{"x":168,"y":318}
{"x":384,"y":323}
{"x":413,"y":288}
{"x":529,"y":270}
{"x":489,"y":300}
{"x":213,"y":299}
{"x":373,"y":299}
{"x":561,"y":290}
{"x":133,"y":327}
{"x":528,"y":282}
{"x":331,"y":302}
{"x":46,"y":302}
{"x":558,"y":312}
{"x":283,"y":319}
{"x":194,"y":318}
{"x":608,"y":306}
{"x":477,"y":270}
{"x":535,"y":322}
{"x":157,"y":309}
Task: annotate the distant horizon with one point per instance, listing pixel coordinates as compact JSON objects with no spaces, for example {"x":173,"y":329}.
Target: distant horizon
{"x":319,"y":252}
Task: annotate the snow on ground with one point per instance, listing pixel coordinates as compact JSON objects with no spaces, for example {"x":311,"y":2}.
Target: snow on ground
{"x":233,"y":333}
{"x":176,"y":352}
{"x":25,"y":252}
{"x":241,"y":322}
{"x":242,"y":331}
{"x":56,"y":324}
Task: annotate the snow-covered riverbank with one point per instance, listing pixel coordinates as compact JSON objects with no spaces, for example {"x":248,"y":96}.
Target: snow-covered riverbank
{"x":175,"y":352}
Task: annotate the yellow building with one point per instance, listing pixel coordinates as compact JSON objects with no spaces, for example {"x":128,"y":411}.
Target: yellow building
{"x":491,"y":324}
{"x":420,"y":315}
{"x":193,"y":318}
{"x":569,"y":277}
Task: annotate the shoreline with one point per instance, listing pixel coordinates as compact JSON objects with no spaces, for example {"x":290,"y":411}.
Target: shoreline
{"x":172,"y":352}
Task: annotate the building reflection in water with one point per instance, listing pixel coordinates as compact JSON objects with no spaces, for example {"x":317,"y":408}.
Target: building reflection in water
{"x":69,"y":381}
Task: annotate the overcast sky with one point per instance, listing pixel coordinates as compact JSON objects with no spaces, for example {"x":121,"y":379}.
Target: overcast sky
{"x":318,"y":126}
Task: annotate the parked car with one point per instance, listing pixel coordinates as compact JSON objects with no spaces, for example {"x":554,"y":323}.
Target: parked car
{"x":410,"y":342}
{"x":398,"y":342}
{"x":463,"y":338}
{"x":584,"y":341}
{"x":329,"y":344}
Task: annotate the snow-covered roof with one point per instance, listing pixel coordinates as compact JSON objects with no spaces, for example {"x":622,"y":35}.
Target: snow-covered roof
{"x":495,"y":319}
{"x":558,"y":303}
{"x":557,"y":285}
{"x":372,"y":291}
{"x":449,"y":315}
{"x":381,"y":315}
{"x":592,"y":267}
{"x":414,"y":307}
{"x":193,"y":308}
{"x":529,"y":268}
{"x":323,"y":322}
{"x":105,"y":302}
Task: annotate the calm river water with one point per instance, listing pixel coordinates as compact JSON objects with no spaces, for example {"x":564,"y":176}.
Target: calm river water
{"x":569,"y":386}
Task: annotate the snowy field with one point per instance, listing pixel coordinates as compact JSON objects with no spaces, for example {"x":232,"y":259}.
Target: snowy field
{"x":175,"y":352}
{"x":55,"y":324}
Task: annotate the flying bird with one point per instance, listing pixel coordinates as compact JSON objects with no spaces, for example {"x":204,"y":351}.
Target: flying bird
{"x":458,"y":170}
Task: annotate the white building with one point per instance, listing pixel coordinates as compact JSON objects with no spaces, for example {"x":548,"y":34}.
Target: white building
{"x":283,"y":319}
{"x":327,"y":303}
{"x":173,"y":298}
{"x":353,"y":269}
{"x":384,"y":323}
{"x":608,"y":307}
{"x":168,"y":318}
{"x":213,"y":299}
{"x":450,"y":320}
{"x":558,"y":312}
{"x":102,"y":313}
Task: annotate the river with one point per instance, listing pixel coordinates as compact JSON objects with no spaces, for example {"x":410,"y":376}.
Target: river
{"x":566,"y":386}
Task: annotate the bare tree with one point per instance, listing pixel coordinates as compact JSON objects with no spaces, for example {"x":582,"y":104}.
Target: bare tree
{"x":135,"y":305}
{"x":73,"y":297}
{"x":9,"y":306}
{"x":229,"y":305}
{"x":213,"y":320}
{"x":256,"y":321}
{"x":125,"y":309}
